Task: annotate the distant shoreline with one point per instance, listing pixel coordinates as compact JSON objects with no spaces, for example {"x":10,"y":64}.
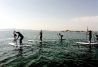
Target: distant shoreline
{"x":44,"y":30}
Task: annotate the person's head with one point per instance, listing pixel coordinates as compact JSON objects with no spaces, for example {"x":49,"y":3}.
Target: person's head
{"x":14,"y":32}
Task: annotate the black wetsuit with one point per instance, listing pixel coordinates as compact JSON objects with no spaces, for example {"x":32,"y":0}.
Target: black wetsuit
{"x":97,"y":37}
{"x":21,"y":37}
{"x":61,"y":36}
{"x":90,"y":36}
{"x":41,"y":35}
{"x":15,"y":37}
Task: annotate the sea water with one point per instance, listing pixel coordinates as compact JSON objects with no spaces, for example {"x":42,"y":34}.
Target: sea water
{"x":50,"y":53}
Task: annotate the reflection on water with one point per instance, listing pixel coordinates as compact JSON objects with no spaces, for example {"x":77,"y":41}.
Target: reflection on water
{"x":96,"y":56}
{"x":49,"y":54}
{"x":20,"y":51}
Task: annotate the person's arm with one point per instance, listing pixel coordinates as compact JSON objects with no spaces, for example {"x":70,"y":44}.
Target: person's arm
{"x":17,"y":36}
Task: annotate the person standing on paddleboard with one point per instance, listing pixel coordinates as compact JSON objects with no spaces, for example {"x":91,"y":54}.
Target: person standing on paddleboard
{"x":90,"y":35}
{"x":41,"y":35}
{"x":97,"y":38}
{"x":61,"y":37}
{"x":20,"y":37}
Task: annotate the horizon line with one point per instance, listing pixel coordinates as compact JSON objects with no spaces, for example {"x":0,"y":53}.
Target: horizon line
{"x":42,"y":29}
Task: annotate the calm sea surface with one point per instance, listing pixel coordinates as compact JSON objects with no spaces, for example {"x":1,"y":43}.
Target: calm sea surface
{"x":51,"y":53}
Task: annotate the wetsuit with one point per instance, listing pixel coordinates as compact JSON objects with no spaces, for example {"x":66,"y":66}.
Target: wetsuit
{"x":90,"y":36}
{"x":41,"y":35}
{"x":97,"y":38}
{"x":15,"y":38}
{"x":61,"y":36}
{"x":21,"y":37}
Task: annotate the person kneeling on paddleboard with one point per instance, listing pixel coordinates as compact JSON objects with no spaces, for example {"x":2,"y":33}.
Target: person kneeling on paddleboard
{"x":15,"y":37}
{"x":20,"y":37}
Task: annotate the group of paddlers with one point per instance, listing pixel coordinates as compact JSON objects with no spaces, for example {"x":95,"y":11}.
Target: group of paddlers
{"x":20,"y":37}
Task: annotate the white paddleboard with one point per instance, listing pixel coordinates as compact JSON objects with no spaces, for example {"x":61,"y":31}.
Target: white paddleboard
{"x":33,"y":40}
{"x":87,"y":43}
{"x":17,"y":45}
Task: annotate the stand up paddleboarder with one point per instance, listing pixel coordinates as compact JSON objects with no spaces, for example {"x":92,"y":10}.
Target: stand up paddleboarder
{"x":19,"y":36}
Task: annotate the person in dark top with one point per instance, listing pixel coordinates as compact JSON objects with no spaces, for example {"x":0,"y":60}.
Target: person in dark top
{"x":97,"y":38}
{"x":90,"y":35}
{"x":41,"y":35}
{"x":21,"y":37}
{"x":61,"y":36}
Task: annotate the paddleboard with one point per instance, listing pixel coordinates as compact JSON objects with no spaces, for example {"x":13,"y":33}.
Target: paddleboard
{"x":17,"y":45}
{"x":87,"y":43}
{"x":33,"y":40}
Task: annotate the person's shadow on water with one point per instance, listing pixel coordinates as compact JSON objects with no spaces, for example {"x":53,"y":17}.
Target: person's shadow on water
{"x":20,"y":51}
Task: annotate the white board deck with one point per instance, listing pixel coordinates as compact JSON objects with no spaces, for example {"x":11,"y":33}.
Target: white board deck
{"x":17,"y":45}
{"x":87,"y":43}
{"x":34,"y":41}
{"x":30,"y":40}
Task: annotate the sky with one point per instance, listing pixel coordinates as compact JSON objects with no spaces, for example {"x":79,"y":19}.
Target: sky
{"x":49,"y":14}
